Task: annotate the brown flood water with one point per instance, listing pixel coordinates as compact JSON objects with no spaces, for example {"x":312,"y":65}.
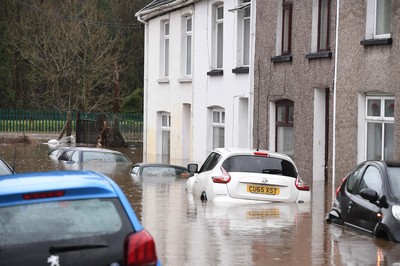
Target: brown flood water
{"x":189,"y":232}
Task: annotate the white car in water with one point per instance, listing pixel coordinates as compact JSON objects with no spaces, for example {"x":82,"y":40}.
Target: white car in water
{"x":233,"y":174}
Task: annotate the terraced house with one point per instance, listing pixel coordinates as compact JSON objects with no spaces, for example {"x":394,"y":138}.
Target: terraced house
{"x":198,"y":92}
{"x":327,"y":82}
{"x":317,"y":80}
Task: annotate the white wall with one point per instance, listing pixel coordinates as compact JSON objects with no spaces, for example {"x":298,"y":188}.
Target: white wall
{"x":188,"y":102}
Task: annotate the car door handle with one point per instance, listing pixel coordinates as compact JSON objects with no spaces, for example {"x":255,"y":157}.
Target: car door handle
{"x":349,"y":206}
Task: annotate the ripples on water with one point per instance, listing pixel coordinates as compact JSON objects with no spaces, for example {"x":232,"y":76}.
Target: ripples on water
{"x":190,"y":232}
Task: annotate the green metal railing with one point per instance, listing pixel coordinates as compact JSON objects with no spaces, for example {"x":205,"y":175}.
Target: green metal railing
{"x":52,"y":121}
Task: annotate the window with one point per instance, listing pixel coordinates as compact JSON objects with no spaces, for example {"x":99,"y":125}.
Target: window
{"x":259,"y":164}
{"x":287,"y":27}
{"x":210,"y":162}
{"x":218,"y":128}
{"x":218,"y":36}
{"x":354,"y":179}
{"x":284,"y":127}
{"x":165,"y":49}
{"x":383,"y":17}
{"x":323,"y":25}
{"x":372,"y":180}
{"x":379,"y":19}
{"x":379,"y":128}
{"x":188,"y":46}
{"x":244,"y":11}
{"x":165,"y":137}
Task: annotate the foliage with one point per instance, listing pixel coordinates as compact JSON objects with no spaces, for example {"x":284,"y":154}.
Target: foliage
{"x":62,"y":54}
{"x":133,"y":102}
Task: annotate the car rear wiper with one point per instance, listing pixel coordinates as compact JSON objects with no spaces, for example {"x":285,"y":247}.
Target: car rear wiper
{"x":271,"y":171}
{"x":67,"y":248}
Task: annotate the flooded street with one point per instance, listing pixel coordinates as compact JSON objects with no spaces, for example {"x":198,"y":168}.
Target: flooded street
{"x":189,"y":232}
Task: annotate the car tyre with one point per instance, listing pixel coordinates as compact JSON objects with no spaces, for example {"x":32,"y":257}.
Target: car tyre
{"x":203,"y":196}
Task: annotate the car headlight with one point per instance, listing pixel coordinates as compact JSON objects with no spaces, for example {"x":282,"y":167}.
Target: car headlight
{"x":396,"y":211}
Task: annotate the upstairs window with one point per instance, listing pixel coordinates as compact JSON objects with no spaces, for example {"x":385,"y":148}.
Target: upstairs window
{"x":287,"y":9}
{"x":164,"y":49}
{"x":383,"y":17}
{"x":218,"y":42}
{"x":188,"y":46}
{"x":323,"y":25}
{"x":243,"y":32}
{"x":379,"y":19}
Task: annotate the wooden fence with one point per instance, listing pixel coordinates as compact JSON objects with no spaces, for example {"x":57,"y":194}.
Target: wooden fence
{"x":51,"y":121}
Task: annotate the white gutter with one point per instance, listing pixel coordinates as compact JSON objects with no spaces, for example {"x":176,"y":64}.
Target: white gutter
{"x":334,"y":102}
{"x":144,"y":15}
{"x":251,"y":71}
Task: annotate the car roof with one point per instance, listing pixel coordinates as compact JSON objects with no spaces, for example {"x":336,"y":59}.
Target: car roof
{"x":159,"y":165}
{"x":93,"y":149}
{"x":245,"y":151}
{"x":76,"y":184}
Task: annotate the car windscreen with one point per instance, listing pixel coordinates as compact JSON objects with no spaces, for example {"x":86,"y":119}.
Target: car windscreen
{"x":90,"y":156}
{"x":394,"y":180}
{"x":162,"y":171}
{"x":62,"y":221}
{"x":4,"y":169}
{"x":259,"y":164}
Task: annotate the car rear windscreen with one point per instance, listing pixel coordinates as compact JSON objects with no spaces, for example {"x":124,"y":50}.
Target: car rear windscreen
{"x":259,"y":164}
{"x":61,"y":220}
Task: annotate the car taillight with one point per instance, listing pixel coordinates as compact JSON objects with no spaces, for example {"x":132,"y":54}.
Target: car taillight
{"x":140,"y":249}
{"x":300,"y":185}
{"x":261,"y":153}
{"x":224,"y":178}
{"x":338,"y":188}
{"x":41,"y":195}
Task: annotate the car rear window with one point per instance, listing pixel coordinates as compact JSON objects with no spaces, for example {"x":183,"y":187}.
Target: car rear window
{"x":259,"y":164}
{"x":61,"y":220}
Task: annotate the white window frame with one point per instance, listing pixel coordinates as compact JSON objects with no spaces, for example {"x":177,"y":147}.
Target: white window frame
{"x":188,"y":54}
{"x":220,"y":123}
{"x":243,"y":38}
{"x":381,"y":119}
{"x":165,"y":127}
{"x":218,"y":37}
{"x":371,"y":21}
{"x":164,"y":49}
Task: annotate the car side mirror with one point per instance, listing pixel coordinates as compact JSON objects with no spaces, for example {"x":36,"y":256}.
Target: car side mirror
{"x":369,"y":194}
{"x":193,"y":167}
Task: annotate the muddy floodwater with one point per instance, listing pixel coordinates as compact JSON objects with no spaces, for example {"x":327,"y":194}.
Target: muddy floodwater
{"x":189,"y":232}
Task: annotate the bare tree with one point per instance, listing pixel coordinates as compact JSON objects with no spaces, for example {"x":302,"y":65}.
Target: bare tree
{"x":71,"y":54}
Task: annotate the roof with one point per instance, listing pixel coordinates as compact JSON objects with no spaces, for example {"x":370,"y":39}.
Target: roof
{"x":161,"y":7}
{"x":157,"y":3}
{"x":76,"y":184}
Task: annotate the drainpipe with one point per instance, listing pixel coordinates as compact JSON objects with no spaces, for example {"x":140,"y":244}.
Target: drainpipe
{"x":334,"y":101}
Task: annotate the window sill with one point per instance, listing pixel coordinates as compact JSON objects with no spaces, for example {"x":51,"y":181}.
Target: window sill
{"x":215,"y":72}
{"x":241,"y":70}
{"x":371,"y":42}
{"x":185,"y":80}
{"x":163,"y":80}
{"x":318,"y":55}
{"x":282,"y":58}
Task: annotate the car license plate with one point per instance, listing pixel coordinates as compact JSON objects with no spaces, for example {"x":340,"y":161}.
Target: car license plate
{"x":263,"y":190}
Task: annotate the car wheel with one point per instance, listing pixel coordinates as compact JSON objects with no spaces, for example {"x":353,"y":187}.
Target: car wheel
{"x":203,"y":196}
